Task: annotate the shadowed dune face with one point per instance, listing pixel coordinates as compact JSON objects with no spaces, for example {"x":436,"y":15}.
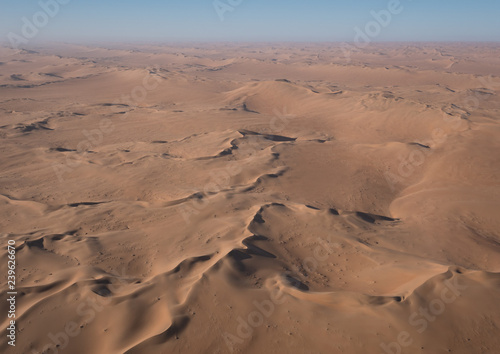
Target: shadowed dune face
{"x":170,"y":199}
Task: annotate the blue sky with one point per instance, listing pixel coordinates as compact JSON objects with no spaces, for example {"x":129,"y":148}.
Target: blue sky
{"x":256,"y":20}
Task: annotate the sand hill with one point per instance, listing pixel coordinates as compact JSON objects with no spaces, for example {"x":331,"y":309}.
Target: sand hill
{"x":252,"y":199}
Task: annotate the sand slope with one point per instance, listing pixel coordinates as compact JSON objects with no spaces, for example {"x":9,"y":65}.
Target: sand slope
{"x":171,"y":199}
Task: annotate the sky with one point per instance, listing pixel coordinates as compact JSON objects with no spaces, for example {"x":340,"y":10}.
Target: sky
{"x":249,"y":20}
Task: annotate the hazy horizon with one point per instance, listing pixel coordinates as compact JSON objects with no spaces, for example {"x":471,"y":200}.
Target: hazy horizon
{"x":249,"y":21}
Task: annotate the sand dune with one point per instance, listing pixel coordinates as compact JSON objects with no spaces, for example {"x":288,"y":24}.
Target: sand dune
{"x":283,"y":199}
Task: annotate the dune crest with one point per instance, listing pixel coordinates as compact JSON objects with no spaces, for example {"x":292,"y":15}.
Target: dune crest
{"x":169,"y":199}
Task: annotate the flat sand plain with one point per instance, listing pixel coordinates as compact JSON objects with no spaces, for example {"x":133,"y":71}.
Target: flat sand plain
{"x":252,"y":198}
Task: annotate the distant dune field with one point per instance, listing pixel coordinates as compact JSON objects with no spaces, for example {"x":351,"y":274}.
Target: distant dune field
{"x":252,"y":198}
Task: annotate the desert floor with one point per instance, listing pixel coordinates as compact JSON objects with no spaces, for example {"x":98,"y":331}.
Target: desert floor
{"x":252,"y":198}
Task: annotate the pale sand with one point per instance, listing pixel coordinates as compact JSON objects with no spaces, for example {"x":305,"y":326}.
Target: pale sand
{"x":252,"y":198}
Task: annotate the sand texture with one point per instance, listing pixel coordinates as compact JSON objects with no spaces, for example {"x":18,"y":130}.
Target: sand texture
{"x":252,"y":198}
